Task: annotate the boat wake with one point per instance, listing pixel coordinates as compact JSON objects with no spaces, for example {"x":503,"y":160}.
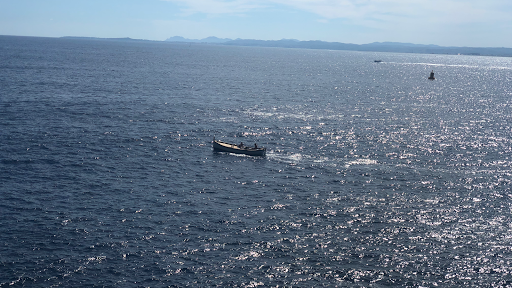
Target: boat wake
{"x":303,"y":160}
{"x":292,"y":158}
{"x":361,"y":161}
{"x":452,"y":65}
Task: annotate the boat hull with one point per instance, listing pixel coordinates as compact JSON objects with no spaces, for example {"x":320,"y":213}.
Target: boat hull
{"x":220,"y":146}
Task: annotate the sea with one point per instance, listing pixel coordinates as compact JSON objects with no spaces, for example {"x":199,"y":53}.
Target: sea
{"x":374,"y":176}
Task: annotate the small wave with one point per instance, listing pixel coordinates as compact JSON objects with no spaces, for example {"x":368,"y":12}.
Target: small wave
{"x":362,"y":161}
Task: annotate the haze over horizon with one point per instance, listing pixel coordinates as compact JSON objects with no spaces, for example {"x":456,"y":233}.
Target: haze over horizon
{"x":446,"y":23}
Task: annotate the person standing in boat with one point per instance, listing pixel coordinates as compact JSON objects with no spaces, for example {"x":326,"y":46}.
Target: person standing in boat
{"x":241,"y":145}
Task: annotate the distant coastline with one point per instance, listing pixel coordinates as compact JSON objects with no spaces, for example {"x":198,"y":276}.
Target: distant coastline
{"x":395,"y":47}
{"x":372,"y":47}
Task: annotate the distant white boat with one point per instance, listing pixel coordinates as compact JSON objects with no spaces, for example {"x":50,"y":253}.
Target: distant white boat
{"x":431,"y":77}
{"x":220,"y":146}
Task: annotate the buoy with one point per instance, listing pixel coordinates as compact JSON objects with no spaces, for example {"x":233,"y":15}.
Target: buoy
{"x":432,"y":76}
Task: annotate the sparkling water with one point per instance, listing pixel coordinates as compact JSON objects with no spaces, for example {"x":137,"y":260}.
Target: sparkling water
{"x":374,"y":175}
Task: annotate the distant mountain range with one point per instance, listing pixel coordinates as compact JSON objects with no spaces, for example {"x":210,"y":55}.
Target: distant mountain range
{"x":205,"y":40}
{"x":374,"y":47}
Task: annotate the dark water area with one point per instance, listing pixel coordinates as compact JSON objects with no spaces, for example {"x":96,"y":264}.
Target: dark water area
{"x":374,"y":175}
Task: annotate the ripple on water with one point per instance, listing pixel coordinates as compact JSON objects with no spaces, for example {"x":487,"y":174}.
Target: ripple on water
{"x":370,"y":179}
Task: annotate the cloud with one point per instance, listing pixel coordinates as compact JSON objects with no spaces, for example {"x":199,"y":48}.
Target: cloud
{"x":444,"y":22}
{"x":358,"y":10}
{"x":215,"y":7}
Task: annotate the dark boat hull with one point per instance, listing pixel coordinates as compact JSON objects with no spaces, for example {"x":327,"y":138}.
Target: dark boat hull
{"x":220,"y":146}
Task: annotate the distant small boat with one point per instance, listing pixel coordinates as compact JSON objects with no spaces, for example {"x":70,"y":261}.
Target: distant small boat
{"x":220,"y":146}
{"x":377,"y":61}
{"x":431,"y":77}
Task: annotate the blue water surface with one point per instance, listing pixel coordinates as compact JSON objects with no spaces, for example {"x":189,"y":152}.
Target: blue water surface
{"x":374,"y":175}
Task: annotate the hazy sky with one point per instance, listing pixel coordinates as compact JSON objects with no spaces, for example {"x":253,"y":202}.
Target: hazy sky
{"x":477,"y":23}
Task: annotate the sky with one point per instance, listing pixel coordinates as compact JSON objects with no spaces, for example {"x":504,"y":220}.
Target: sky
{"x":471,"y":23}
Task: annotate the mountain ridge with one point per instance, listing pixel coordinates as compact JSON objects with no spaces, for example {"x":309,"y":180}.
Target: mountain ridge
{"x":370,"y":47}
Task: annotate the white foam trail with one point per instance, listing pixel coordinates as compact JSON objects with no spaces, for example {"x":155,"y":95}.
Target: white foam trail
{"x":362,"y":161}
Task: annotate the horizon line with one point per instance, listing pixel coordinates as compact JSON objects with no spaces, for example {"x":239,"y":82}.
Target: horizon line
{"x":275,"y":40}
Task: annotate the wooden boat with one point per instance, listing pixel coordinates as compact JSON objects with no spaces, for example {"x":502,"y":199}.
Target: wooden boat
{"x":220,"y":146}
{"x":431,"y":77}
{"x":377,"y":61}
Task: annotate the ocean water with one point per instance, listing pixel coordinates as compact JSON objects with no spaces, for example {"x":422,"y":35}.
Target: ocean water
{"x":374,"y":176}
